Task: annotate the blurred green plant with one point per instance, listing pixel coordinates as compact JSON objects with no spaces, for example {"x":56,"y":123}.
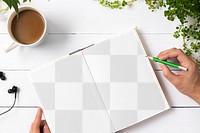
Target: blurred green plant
{"x":187,"y":12}
{"x":3,"y":8}
{"x":12,"y":4}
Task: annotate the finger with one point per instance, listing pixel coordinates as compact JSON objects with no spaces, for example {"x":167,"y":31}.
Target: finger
{"x":171,"y":53}
{"x":46,"y":129}
{"x":43,"y":122}
{"x":166,"y":51}
{"x":168,"y":74}
{"x":174,"y":53}
{"x":38,"y":117}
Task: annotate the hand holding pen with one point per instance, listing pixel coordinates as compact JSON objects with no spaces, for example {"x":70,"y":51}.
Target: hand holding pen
{"x":187,"y":82}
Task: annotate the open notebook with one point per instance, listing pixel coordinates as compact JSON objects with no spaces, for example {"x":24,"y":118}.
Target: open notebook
{"x":101,"y":89}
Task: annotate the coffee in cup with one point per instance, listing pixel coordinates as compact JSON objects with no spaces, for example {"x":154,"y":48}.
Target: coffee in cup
{"x":27,"y":29}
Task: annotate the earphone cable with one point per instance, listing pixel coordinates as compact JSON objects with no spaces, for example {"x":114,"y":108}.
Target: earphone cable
{"x":9,"y":108}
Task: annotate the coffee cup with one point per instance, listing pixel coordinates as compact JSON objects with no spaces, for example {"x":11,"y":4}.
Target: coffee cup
{"x":28,"y":29}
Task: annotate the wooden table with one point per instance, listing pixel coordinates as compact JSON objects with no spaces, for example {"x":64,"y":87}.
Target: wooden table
{"x":73,"y":24}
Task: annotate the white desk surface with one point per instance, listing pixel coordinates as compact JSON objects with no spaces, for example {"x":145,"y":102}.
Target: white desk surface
{"x":73,"y":24}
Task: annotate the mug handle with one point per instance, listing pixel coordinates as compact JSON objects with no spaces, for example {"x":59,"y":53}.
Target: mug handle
{"x":12,"y":46}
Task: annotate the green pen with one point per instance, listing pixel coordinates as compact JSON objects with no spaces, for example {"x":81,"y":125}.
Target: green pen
{"x":167,"y":63}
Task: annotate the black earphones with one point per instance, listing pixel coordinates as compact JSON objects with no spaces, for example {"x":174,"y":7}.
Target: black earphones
{"x":13,"y":90}
{"x":2,"y":76}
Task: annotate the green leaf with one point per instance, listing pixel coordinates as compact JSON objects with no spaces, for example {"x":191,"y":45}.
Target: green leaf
{"x":14,"y":4}
{"x":116,"y":4}
{"x":26,"y":1}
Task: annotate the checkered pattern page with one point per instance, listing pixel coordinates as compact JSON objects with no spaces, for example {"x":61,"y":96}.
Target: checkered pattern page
{"x":123,"y":77}
{"x":70,"y":104}
{"x":103,"y":89}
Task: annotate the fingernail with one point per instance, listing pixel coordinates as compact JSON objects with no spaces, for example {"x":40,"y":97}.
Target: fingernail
{"x":46,"y":127}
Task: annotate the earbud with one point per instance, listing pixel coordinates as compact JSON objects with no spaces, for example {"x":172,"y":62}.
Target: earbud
{"x":13,"y":90}
{"x":2,"y":76}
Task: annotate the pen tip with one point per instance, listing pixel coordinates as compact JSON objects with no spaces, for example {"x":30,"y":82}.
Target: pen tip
{"x":149,"y":57}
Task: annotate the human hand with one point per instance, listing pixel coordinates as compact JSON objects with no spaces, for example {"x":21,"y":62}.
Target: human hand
{"x":39,"y":126}
{"x":187,"y":82}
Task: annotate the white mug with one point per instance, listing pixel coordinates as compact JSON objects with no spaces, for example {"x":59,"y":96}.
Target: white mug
{"x":15,"y":42}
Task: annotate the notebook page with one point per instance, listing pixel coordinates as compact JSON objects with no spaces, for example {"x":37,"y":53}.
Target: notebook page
{"x":68,"y":95}
{"x":126,"y":84}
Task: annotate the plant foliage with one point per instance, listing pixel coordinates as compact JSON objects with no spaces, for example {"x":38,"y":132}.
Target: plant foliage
{"x":15,"y":4}
{"x":187,"y":11}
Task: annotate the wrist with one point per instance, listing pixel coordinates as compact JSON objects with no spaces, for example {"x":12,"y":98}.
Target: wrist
{"x":196,"y":91}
